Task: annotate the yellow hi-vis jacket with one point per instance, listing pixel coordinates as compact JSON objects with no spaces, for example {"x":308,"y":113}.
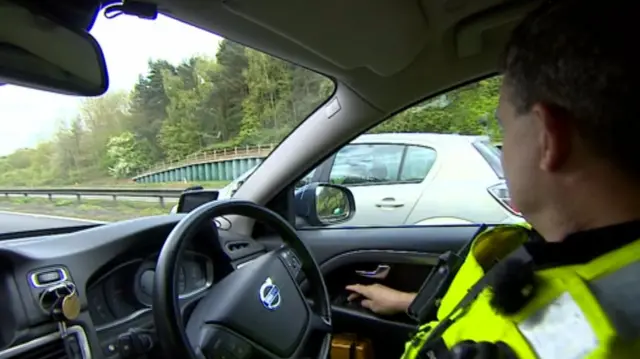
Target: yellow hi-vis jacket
{"x":571,"y":316}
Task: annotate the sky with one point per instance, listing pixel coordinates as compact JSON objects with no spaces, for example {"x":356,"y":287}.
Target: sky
{"x":30,"y":116}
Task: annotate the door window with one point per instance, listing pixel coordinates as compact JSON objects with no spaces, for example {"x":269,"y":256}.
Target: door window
{"x":364,"y":164}
{"x":436,"y":171}
{"x":417,"y":163}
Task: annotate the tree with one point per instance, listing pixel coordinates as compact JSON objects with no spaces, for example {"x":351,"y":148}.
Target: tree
{"x":127,"y":155}
{"x":149,"y":106}
{"x":102,"y":118}
{"x":230,"y":89}
{"x":189,"y":119}
{"x":468,"y":110}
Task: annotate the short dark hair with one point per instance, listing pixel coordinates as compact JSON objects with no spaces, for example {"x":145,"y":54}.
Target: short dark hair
{"x":578,"y":56}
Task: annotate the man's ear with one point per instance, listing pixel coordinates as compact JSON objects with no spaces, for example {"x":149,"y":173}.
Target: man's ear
{"x":554,"y":136}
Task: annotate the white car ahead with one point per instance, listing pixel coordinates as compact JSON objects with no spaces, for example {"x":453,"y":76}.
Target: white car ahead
{"x":416,"y":178}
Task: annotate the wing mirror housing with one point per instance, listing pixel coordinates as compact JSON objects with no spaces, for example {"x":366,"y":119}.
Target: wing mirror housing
{"x":324,"y":204}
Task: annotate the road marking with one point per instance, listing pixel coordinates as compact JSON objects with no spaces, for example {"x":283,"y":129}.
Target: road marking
{"x":53,"y":217}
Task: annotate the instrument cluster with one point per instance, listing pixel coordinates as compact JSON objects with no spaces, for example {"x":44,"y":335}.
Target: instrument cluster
{"x":126,"y":291}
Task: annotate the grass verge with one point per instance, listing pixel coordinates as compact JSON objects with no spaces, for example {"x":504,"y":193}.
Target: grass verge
{"x":100,"y":210}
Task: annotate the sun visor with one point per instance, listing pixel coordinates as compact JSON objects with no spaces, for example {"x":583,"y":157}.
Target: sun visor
{"x":384,"y":36}
{"x":471,"y":33}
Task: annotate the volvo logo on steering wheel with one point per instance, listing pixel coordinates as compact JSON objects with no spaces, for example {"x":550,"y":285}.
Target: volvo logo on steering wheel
{"x":270,"y":294}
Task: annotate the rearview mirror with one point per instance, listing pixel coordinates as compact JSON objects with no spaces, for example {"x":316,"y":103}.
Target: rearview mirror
{"x":324,"y":204}
{"x":39,"y":52}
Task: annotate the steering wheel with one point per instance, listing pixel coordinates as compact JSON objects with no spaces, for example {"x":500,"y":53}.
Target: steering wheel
{"x":258,"y":310}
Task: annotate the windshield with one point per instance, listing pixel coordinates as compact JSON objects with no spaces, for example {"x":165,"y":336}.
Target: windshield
{"x":189,"y":109}
{"x":185,"y":108}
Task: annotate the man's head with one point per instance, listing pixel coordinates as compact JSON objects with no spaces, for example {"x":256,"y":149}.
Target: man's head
{"x":568,"y":102}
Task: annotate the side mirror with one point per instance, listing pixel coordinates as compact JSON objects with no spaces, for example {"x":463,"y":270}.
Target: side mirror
{"x":40,"y":52}
{"x":324,"y":204}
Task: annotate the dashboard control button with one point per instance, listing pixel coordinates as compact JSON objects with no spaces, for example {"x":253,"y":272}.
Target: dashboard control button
{"x":145,"y":343}
{"x":125,"y":346}
{"x":240,"y":349}
{"x":233,"y":347}
{"x":110,"y":349}
{"x":47,"y":277}
{"x":222,"y":344}
{"x":141,"y":341}
{"x":291,"y":261}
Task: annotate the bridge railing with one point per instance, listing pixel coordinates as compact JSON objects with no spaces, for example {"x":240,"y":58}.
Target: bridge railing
{"x":113,"y":193}
{"x":212,"y":155}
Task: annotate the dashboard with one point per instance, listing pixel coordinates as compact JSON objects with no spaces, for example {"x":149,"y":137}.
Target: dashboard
{"x":111,"y":268}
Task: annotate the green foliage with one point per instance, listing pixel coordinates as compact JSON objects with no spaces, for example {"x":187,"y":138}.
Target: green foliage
{"x":126,"y":155}
{"x":468,"y":110}
{"x":240,"y":97}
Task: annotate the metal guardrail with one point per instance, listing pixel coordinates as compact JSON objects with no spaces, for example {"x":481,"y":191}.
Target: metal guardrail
{"x":114,"y":193}
{"x":211,"y":156}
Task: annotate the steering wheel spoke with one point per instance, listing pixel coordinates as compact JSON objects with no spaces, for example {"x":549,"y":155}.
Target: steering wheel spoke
{"x":320,"y":324}
{"x":257,"y":310}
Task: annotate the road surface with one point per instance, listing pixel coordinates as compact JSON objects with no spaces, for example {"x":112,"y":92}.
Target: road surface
{"x":16,"y":222}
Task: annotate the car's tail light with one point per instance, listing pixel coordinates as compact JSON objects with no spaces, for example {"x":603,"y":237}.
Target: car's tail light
{"x":501,"y":194}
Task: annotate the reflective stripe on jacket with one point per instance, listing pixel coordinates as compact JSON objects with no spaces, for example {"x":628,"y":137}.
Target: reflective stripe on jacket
{"x":589,"y":310}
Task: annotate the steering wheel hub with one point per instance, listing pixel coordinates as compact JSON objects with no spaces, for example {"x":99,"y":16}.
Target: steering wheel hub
{"x":270,"y":294}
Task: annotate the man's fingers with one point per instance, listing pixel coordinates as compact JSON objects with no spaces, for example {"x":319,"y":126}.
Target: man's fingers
{"x":358,"y":288}
{"x":353,"y":287}
{"x":353,"y":296}
{"x":367,"y":303}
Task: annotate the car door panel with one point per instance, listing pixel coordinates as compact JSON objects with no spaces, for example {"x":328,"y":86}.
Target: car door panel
{"x":387,"y":332}
{"x":410,"y":252}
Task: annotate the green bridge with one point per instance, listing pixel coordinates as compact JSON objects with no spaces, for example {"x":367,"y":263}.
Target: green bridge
{"x":214,"y":165}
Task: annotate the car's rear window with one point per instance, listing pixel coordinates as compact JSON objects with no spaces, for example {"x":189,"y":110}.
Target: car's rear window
{"x":491,"y":154}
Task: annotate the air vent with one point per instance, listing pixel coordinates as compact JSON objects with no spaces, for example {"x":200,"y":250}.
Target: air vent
{"x":236,"y":246}
{"x":51,"y":350}
{"x":51,"y":347}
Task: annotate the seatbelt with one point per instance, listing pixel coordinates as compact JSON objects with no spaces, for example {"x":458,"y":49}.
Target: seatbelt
{"x":435,"y":335}
{"x":426,"y":303}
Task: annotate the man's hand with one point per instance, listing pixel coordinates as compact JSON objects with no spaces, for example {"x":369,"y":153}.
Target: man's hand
{"x":380,"y":299}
